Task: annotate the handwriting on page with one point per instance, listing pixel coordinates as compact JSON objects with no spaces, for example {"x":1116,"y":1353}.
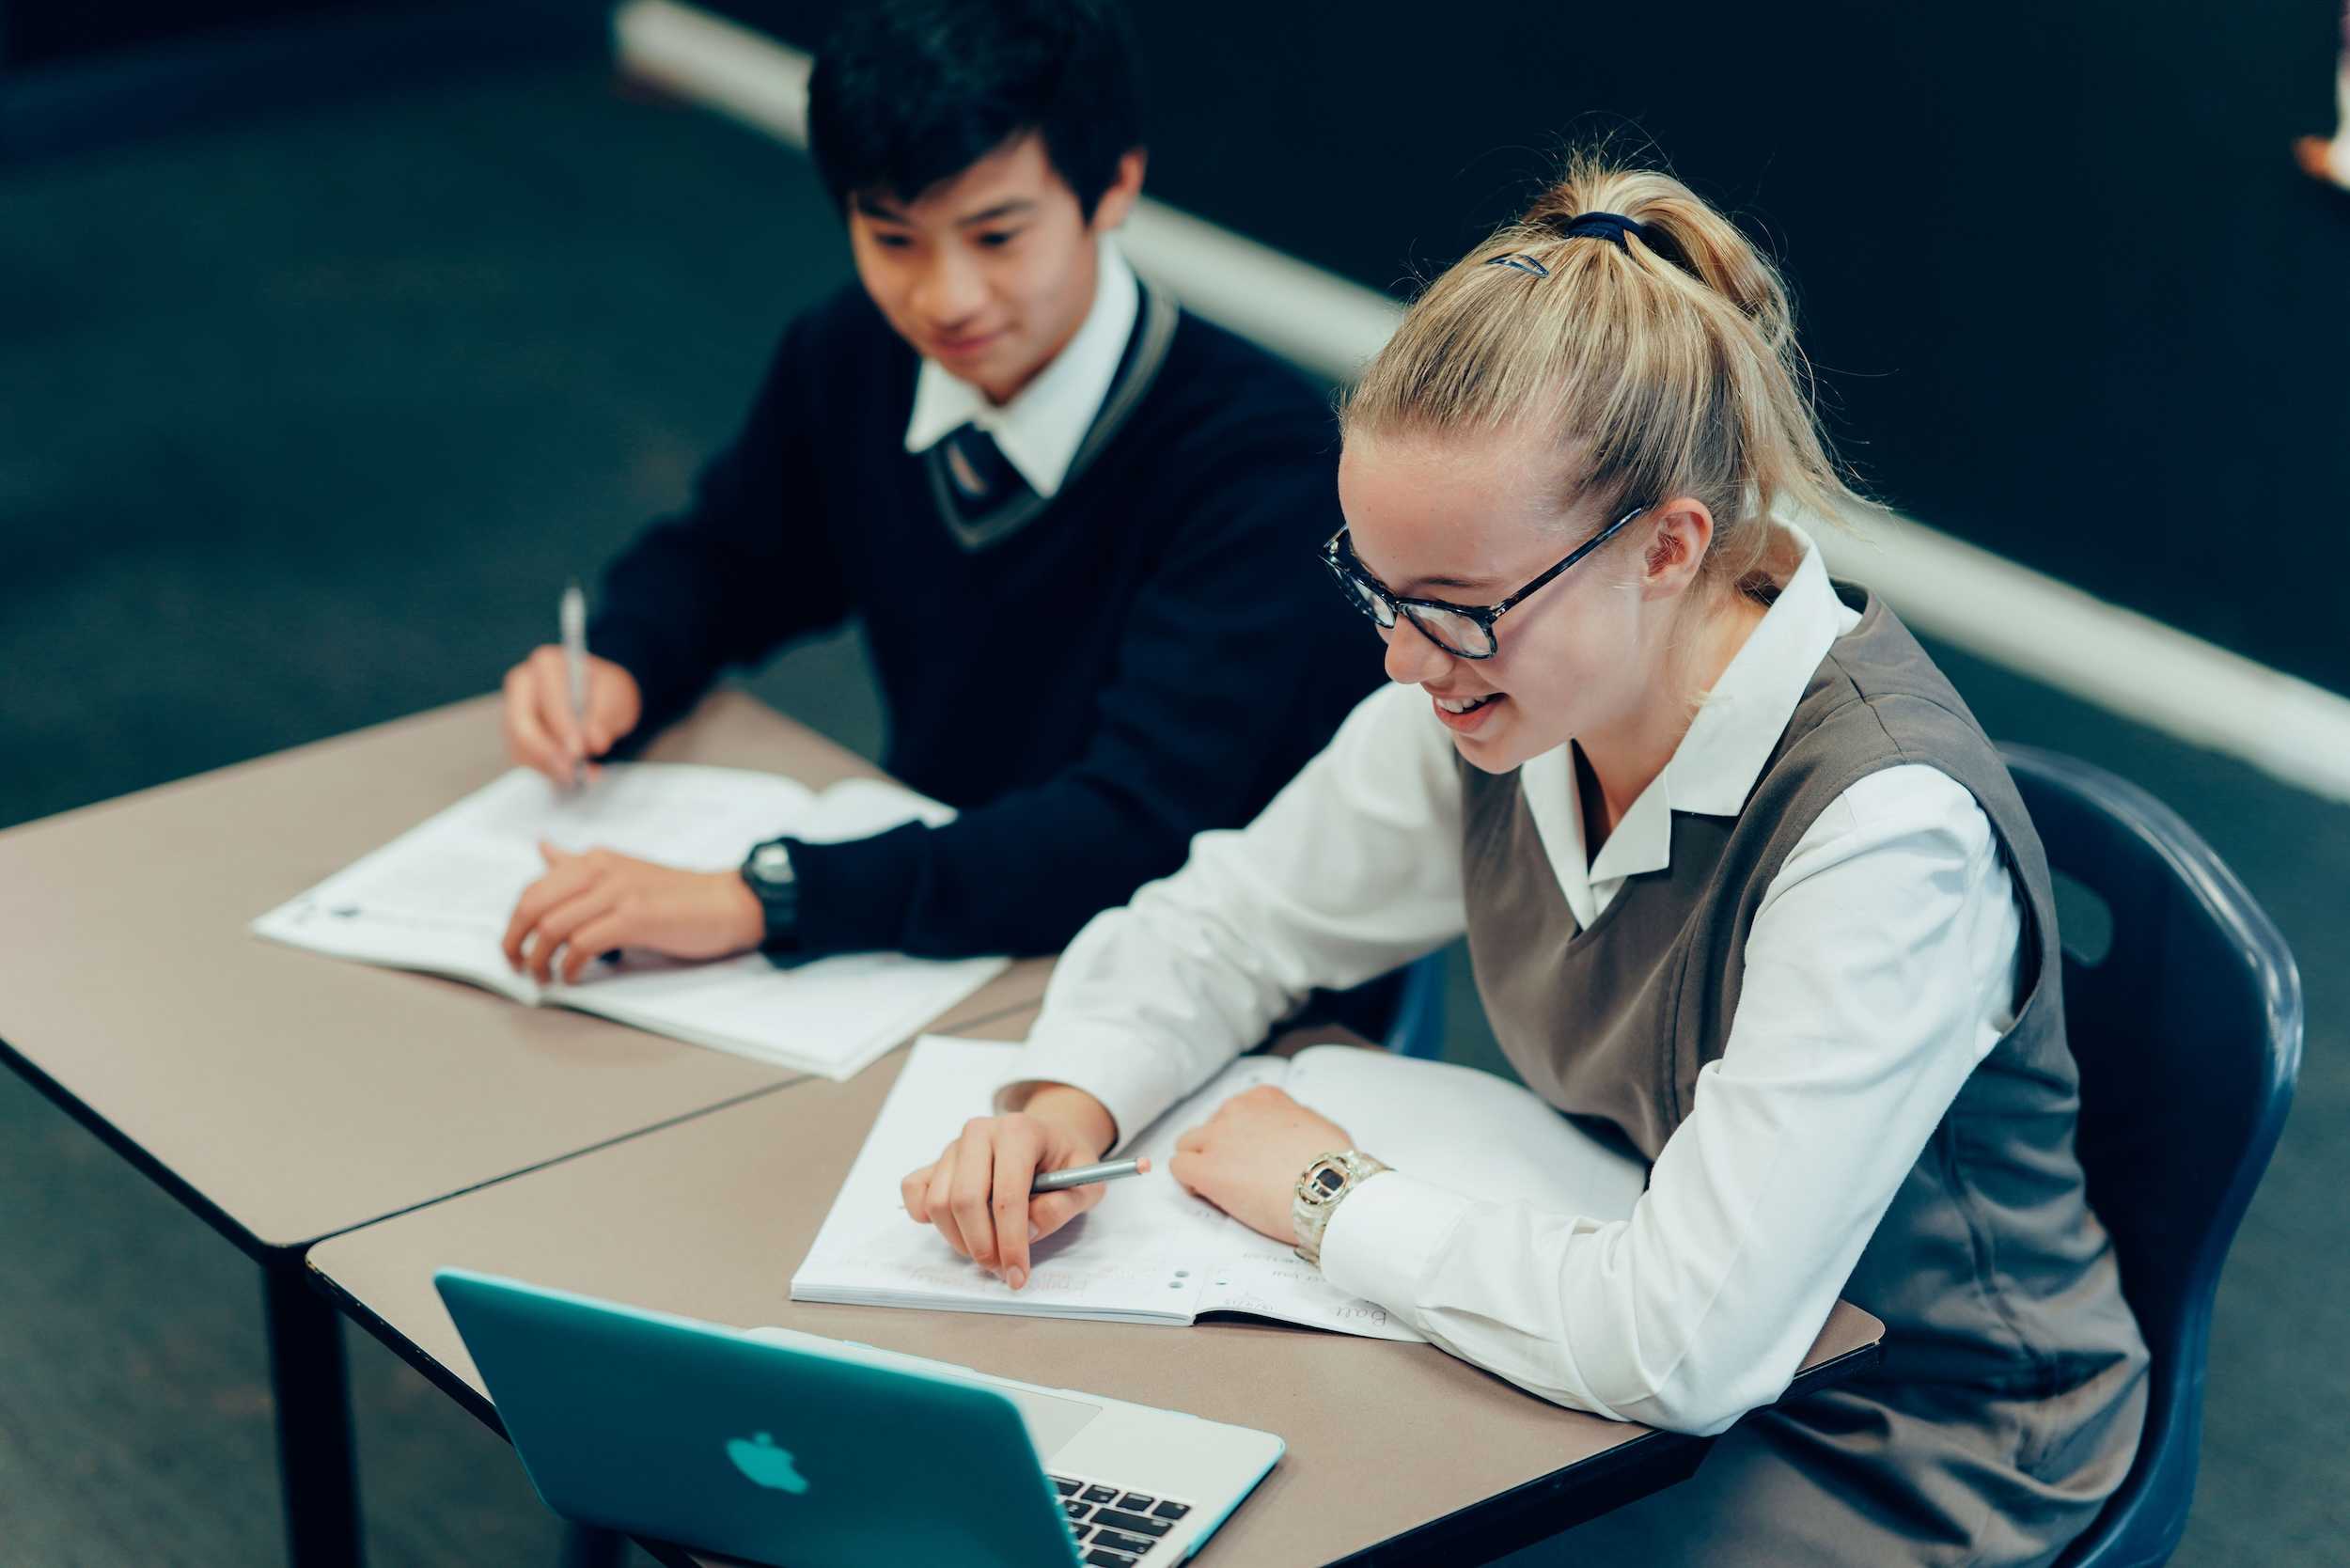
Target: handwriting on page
{"x":915,"y":1260}
{"x":442,"y":886}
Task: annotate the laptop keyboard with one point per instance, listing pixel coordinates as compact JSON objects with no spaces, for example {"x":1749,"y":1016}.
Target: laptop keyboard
{"x":1115,"y":1526}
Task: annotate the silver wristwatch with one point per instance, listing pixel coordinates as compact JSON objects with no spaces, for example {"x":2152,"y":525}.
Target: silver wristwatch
{"x":1329,"y":1179}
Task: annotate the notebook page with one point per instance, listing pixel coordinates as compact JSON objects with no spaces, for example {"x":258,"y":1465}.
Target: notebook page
{"x":438,"y":897}
{"x":859,"y":808}
{"x":832,"y":1016}
{"x":1248,"y":1272}
{"x":1135,"y":1255}
{"x":1465,"y":1129}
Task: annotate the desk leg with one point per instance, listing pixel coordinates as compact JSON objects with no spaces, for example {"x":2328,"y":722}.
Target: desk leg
{"x":585,"y":1546}
{"x":312,"y":1392}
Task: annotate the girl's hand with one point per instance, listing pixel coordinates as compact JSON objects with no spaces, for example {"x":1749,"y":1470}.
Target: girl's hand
{"x":1247,"y":1158}
{"x":976,"y":1191}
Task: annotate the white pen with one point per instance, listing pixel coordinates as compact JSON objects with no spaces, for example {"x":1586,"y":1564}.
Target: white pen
{"x":1080,"y":1175}
{"x":573,"y":616}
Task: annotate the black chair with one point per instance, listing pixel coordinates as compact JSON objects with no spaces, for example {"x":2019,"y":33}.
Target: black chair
{"x":2184,"y":1009}
{"x":1418,"y":1029}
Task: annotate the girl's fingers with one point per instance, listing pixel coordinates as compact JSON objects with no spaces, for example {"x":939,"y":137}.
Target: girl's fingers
{"x":975,"y":1174}
{"x":1053,"y":1209}
{"x":939,"y":1201}
{"x":1016,"y":1152}
{"x":914,"y":1193}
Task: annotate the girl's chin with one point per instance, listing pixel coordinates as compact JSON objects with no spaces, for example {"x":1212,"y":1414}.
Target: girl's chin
{"x":1488,"y":754}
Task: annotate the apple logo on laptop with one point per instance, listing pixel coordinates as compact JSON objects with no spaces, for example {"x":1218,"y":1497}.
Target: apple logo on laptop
{"x":766,"y":1464}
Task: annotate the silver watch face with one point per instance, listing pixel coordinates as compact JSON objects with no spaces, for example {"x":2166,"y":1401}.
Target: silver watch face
{"x":772,"y":862}
{"x":1322,"y":1184}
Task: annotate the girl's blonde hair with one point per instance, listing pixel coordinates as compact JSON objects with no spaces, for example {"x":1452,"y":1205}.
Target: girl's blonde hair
{"x":1661,"y":366}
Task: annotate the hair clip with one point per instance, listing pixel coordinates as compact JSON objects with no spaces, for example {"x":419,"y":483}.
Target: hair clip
{"x":1611,"y":226}
{"x":1522,"y":263}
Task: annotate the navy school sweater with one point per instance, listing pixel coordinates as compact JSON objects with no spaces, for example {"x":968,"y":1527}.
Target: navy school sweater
{"x":1153,"y":652}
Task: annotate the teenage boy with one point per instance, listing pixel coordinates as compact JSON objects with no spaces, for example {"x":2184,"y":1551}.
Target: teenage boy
{"x":1078,"y":524}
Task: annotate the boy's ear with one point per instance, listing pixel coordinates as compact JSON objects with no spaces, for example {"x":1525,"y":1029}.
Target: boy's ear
{"x":1117,"y":201}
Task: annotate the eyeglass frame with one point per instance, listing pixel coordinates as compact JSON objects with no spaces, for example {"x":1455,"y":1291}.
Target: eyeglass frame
{"x":1350,"y":570}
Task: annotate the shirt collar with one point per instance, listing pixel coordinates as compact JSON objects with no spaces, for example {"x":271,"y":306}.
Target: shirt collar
{"x":1714,"y":767}
{"x":1039,"y":431}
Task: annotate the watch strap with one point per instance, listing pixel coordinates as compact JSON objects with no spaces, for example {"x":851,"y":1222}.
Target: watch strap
{"x":1316,"y":1199}
{"x":767,"y":872}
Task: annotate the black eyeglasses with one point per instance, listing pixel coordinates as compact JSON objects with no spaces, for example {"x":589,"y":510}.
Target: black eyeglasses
{"x":1464,"y":631}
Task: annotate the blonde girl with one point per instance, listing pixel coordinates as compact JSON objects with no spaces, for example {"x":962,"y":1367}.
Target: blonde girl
{"x":1740,"y":877}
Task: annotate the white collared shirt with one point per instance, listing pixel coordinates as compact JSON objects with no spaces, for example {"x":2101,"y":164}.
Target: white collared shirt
{"x":1039,"y":431}
{"x":1880,"y":968}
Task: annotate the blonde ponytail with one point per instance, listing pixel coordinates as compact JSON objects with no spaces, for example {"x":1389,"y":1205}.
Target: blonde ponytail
{"x":1659,"y":362}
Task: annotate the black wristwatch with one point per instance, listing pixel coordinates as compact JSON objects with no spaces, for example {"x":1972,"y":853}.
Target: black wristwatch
{"x":767,"y":871}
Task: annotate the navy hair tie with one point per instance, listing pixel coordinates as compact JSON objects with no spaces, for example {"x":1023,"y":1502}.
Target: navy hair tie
{"x":1602,"y":226}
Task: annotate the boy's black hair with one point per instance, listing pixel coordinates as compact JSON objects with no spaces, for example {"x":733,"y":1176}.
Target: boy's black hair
{"x":907,"y":93}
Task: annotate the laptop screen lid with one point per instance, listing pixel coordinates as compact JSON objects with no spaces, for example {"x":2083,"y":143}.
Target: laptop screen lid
{"x":663,"y":1426}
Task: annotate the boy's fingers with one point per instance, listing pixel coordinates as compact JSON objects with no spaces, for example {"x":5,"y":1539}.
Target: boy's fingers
{"x":590,"y":942}
{"x":540,"y":897}
{"x":553,"y":683}
{"x":555,"y":926}
{"x":607,"y":714}
{"x":526,"y":740}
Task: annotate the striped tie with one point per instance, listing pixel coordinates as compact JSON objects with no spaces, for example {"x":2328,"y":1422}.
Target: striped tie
{"x":981,"y":477}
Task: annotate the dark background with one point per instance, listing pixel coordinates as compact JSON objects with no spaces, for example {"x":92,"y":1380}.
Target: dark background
{"x":2069,"y":298}
{"x":2068,"y":294}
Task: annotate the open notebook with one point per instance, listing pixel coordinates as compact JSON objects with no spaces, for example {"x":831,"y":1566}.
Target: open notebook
{"x":1148,"y":1252}
{"x":438,"y":898}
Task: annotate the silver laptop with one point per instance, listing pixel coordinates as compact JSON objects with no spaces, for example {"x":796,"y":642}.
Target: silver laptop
{"x":783,"y":1447}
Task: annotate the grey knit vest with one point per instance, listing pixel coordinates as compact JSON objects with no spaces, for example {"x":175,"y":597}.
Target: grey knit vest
{"x":1989,"y":1269}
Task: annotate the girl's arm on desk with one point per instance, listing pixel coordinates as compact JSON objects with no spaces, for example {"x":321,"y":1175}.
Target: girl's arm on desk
{"x":1352,"y":870}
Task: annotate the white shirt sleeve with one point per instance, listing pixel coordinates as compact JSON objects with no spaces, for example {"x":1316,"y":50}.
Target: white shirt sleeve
{"x":1353,"y":869}
{"x":1880,"y":970}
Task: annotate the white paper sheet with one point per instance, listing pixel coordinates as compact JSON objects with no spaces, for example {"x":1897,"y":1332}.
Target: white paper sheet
{"x":438,"y":898}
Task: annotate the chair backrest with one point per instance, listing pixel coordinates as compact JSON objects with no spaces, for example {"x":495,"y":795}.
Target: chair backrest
{"x":2184,"y":1016}
{"x":1418,"y":1029}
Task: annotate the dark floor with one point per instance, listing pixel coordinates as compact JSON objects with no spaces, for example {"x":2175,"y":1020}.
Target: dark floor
{"x":304,"y":421}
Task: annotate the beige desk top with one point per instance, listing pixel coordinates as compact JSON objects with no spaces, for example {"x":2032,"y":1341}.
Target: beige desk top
{"x":284,"y":1095}
{"x":708,"y":1219}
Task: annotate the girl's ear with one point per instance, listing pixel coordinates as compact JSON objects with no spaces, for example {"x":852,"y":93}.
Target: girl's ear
{"x":1676,"y":550}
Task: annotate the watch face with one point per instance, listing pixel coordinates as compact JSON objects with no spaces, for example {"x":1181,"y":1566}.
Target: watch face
{"x":773,"y":862}
{"x":1329,"y":1179}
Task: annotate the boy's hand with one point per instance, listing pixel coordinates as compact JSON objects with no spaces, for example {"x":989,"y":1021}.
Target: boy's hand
{"x":539,"y":731}
{"x":590,"y":904}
